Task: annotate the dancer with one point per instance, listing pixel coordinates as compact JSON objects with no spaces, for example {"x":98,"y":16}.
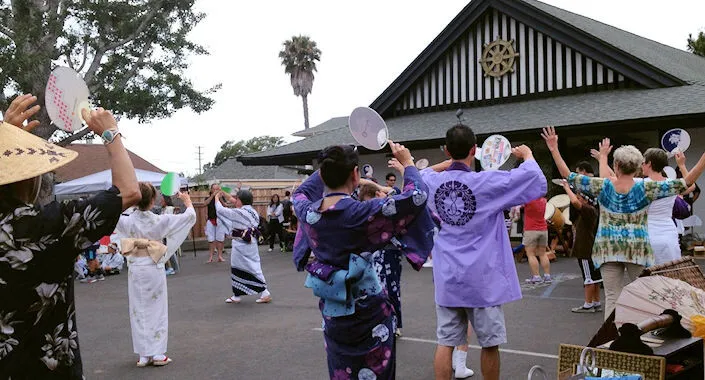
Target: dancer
{"x":215,"y":232}
{"x":142,"y":233}
{"x":245,"y":267}
{"x":275,"y":217}
{"x":358,"y":322}
{"x":473,"y":269}
{"x":38,"y":244}
{"x":584,"y":215}
{"x":535,"y":240}
{"x":622,"y":240}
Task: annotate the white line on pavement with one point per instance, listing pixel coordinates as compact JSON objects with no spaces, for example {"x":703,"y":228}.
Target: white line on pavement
{"x":507,"y":350}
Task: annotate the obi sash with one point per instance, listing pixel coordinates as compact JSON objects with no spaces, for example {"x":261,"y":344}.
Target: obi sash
{"x":247,"y":235}
{"x":339,"y":288}
{"x":143,"y":247}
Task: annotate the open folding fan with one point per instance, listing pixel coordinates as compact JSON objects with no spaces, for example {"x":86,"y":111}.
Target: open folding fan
{"x":650,"y":296}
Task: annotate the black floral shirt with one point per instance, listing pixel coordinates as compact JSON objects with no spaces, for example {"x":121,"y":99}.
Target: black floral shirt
{"x":38,"y":246}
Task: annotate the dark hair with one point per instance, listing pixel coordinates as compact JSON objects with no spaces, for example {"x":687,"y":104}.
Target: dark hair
{"x":658,"y":158}
{"x":287,"y":193}
{"x":271,"y":200}
{"x":460,"y":140}
{"x":245,"y":197}
{"x":168,"y":201}
{"x":148,"y":194}
{"x":586,"y":167}
{"x":390,"y":175}
{"x":337,"y":163}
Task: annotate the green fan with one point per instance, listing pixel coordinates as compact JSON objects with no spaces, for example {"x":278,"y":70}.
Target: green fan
{"x":170,"y":184}
{"x":227,"y":189}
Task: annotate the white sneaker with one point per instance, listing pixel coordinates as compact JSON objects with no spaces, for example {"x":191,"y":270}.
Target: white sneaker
{"x":270,"y":250}
{"x":428,"y":263}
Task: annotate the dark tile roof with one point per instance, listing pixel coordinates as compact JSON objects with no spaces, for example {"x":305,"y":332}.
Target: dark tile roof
{"x":93,"y":158}
{"x":328,"y":125}
{"x":572,"y":110}
{"x":232,"y":169}
{"x":679,"y":63}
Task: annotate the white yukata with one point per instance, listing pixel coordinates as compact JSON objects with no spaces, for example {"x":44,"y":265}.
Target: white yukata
{"x":245,"y":266}
{"x":146,"y":284}
{"x":663,"y":231}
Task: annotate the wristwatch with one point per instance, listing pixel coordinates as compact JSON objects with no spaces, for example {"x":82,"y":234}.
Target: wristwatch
{"x":109,"y":135}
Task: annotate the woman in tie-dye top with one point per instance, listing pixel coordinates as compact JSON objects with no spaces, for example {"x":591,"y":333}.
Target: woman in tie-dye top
{"x":622,"y":240}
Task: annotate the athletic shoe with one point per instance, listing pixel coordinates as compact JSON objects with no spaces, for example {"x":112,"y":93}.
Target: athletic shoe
{"x":428,"y":263}
{"x":397,"y":332}
{"x":583,"y":309}
{"x":88,"y":280}
{"x":534,"y":280}
{"x":547,"y":278}
{"x":270,"y":250}
{"x":170,"y":271}
{"x":597,"y":307}
{"x":100,"y":277}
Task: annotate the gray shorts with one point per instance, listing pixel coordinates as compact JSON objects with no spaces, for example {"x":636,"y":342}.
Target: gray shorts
{"x":488,"y":323}
{"x":535,"y":238}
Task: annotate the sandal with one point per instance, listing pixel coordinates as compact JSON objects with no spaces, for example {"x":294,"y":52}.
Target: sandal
{"x":266,"y":299}
{"x":232,"y":299}
{"x":220,"y":260}
{"x":209,"y":261}
{"x":141,"y":364}
{"x":160,"y":363}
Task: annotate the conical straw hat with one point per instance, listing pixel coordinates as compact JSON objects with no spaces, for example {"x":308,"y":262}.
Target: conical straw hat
{"x":24,"y":155}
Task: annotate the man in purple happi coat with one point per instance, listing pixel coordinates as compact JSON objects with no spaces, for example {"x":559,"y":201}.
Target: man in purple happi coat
{"x":473,"y":266}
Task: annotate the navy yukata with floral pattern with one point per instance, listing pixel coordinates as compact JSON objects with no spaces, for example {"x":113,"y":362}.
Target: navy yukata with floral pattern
{"x":358,"y":319}
{"x":38,"y":247}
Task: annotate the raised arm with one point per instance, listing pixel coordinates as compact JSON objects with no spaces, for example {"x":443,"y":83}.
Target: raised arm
{"x":573,"y":198}
{"x":309,"y":191}
{"x":551,"y":138}
{"x":680,"y":161}
{"x":695,"y":173}
{"x":441,"y":166}
{"x":123,"y":172}
{"x":523,"y":184}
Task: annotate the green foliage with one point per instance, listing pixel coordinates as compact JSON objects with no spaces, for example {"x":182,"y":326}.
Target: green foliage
{"x":697,"y":46}
{"x":232,"y":149}
{"x":132,"y":54}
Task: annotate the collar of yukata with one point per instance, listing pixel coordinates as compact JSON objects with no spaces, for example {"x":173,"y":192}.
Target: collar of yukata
{"x":457,"y":165}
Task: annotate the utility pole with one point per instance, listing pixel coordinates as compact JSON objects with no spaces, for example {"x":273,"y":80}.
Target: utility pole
{"x":200,"y":165}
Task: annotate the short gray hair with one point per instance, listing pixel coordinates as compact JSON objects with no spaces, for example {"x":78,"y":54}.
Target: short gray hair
{"x":628,"y":158}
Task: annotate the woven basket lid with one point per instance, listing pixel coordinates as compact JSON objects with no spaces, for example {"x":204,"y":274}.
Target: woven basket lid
{"x":24,"y":155}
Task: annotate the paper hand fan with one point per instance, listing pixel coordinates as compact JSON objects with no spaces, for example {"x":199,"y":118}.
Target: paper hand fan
{"x":170,"y":184}
{"x":670,"y":172}
{"x":675,"y":140}
{"x":368,"y":128}
{"x":422,"y":164}
{"x":558,"y":181}
{"x":367,"y":171}
{"x":226,"y":189}
{"x":495,"y":151}
{"x":66,"y":95}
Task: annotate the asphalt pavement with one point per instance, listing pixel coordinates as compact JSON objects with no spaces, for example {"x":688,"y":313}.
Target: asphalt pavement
{"x":209,"y":339}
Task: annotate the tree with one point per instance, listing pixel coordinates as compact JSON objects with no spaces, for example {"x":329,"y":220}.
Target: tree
{"x":232,"y":149}
{"x":132,"y":54}
{"x":299,"y":57}
{"x":697,"y":46}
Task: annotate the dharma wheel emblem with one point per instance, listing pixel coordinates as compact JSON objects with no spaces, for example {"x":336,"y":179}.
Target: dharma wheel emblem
{"x":498,"y":58}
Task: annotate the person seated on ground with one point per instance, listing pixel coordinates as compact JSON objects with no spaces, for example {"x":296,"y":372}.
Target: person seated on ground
{"x":290,"y":233}
{"x":92,"y":265}
{"x":112,"y":262}
{"x":80,"y":267}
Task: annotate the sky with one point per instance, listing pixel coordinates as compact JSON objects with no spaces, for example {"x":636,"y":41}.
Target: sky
{"x":366,"y":45}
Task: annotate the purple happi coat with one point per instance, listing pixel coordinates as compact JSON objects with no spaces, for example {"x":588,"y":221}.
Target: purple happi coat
{"x":358,"y":318}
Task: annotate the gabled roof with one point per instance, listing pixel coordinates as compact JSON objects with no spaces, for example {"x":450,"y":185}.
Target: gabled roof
{"x":646,"y":62}
{"x":328,"y":125}
{"x":233,"y":170}
{"x":93,"y":158}
{"x":596,"y":108}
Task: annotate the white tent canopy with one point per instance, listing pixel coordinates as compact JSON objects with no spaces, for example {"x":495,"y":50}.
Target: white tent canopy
{"x":104,"y":180}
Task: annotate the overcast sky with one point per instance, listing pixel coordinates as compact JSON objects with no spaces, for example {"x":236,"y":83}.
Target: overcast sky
{"x":366,"y":45}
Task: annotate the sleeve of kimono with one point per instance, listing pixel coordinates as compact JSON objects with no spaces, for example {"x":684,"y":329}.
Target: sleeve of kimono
{"x":232,"y":215}
{"x":521,"y":185}
{"x":587,"y":185}
{"x":175,"y":228}
{"x":93,"y":218}
{"x":663,"y":189}
{"x":115,"y":261}
{"x":309,"y":191}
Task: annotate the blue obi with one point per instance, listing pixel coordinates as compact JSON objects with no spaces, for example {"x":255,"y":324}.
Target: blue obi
{"x":339,"y":288}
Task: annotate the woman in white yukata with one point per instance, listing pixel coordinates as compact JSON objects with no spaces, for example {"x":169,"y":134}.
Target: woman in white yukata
{"x":245,"y":267}
{"x":142,"y":233}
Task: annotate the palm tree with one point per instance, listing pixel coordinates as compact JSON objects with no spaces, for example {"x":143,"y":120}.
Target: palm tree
{"x":299,"y":57}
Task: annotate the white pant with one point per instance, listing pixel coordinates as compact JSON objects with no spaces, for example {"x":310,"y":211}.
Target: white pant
{"x":613,"y":279}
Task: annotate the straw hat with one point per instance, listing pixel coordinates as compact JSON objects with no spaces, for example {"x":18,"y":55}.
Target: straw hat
{"x":24,"y":155}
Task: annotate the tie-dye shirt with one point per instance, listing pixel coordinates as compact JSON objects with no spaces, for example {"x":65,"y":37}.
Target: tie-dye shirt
{"x":622,"y":233}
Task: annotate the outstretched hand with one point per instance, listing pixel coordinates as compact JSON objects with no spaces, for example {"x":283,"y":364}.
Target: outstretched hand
{"x":401,"y":153}
{"x":680,"y":158}
{"x":549,"y":135}
{"x":99,"y":120}
{"x":20,"y":110}
{"x":522,"y":152}
{"x":605,"y":147}
{"x":395,"y":164}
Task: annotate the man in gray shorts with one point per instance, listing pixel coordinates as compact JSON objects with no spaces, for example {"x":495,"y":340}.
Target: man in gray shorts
{"x":473,"y":266}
